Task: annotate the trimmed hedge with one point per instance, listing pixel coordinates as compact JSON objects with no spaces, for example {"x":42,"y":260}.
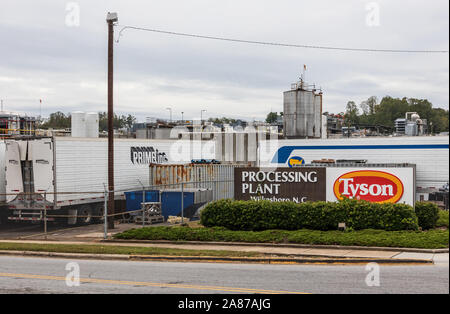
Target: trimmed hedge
{"x":265,"y":215}
{"x":432,"y":239}
{"x":428,"y":214}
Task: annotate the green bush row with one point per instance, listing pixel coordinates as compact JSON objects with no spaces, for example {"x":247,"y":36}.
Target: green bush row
{"x":443,"y":219}
{"x":265,"y":215}
{"x":428,"y":214}
{"x":432,"y":239}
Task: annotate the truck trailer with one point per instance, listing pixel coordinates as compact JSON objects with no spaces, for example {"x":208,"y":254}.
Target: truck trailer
{"x":67,"y":176}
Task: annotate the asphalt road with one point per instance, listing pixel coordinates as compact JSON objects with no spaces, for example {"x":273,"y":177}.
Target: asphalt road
{"x":48,"y":275}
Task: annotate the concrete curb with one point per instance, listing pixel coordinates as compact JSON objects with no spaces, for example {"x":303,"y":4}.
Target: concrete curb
{"x":213,"y":259}
{"x":291,"y":245}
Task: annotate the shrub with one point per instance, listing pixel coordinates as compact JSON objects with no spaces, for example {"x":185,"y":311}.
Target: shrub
{"x":428,"y":214}
{"x":265,"y":215}
{"x":443,"y":219}
{"x":431,"y":239}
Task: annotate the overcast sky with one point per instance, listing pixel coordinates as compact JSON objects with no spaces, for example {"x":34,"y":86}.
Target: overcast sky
{"x":47,"y":53}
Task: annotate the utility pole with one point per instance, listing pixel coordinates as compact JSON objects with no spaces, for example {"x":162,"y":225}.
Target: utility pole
{"x":111,"y":18}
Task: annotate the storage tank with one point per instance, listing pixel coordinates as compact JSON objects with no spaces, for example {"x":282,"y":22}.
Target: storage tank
{"x":92,"y":124}
{"x":78,"y":123}
{"x":411,"y":129}
{"x":324,"y":134}
{"x":302,"y":111}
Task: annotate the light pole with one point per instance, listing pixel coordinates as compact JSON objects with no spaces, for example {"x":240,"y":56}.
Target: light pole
{"x":182,"y":119}
{"x":170,"y":109}
{"x":201,"y":116}
{"x":111,"y":19}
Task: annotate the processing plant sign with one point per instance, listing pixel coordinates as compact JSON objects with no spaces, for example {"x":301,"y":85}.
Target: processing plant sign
{"x":297,"y":184}
{"x":373,"y":185}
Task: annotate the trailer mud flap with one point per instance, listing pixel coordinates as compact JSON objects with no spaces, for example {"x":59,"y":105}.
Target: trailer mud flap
{"x":73,"y":219}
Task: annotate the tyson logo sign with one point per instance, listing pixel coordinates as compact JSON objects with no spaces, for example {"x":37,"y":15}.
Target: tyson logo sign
{"x":370,"y":185}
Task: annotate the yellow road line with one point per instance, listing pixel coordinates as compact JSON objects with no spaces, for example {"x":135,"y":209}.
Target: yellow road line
{"x":152,"y":284}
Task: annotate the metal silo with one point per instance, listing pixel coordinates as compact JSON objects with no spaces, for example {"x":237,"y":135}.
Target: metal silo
{"x":92,"y":124}
{"x":302,"y":112}
{"x":78,"y":122}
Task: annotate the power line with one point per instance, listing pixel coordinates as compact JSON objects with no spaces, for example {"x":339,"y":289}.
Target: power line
{"x":274,"y":43}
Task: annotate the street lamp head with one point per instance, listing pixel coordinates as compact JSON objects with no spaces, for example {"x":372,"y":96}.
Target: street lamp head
{"x":112,"y":17}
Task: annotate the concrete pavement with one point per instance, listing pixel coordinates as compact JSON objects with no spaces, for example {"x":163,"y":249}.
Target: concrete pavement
{"x":294,"y":252}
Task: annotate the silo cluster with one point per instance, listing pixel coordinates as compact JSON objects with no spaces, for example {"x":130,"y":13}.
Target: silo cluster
{"x":302,"y":112}
{"x":85,"y":124}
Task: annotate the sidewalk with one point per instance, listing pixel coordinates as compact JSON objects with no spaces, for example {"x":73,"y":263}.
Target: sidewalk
{"x":292,"y":252}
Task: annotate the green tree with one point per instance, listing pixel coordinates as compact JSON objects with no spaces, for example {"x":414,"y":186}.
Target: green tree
{"x":271,"y":117}
{"x":130,"y":120}
{"x":372,"y":103}
{"x":364,"y":108}
{"x":389,"y":109}
{"x":57,"y":120}
{"x":351,"y":114}
{"x":222,"y":120}
{"x":119,"y":122}
{"x":440,"y":121}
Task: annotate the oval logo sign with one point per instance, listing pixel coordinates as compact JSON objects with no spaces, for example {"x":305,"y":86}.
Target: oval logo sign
{"x":295,"y":161}
{"x":369,"y":185}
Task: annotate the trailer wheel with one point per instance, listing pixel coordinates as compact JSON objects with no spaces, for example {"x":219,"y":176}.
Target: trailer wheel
{"x":98,"y":212}
{"x":84,"y":215}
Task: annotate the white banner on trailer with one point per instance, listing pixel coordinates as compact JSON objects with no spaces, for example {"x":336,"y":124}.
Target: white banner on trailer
{"x":394,"y":185}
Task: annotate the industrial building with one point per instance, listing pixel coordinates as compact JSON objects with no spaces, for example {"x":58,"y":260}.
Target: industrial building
{"x":411,"y":125}
{"x":12,"y":123}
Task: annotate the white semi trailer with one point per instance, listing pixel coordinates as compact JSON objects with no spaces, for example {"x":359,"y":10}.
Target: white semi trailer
{"x":60,"y":174}
{"x":430,"y":154}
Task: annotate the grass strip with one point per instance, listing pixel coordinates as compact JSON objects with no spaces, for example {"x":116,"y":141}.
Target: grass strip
{"x":125,"y":250}
{"x":431,"y":239}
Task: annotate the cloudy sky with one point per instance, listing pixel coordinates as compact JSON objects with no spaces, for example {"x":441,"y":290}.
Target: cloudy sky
{"x":56,"y":50}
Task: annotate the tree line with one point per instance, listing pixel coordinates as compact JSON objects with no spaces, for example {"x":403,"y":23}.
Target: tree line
{"x":60,"y":120}
{"x":384,"y":113}
{"x":372,"y":112}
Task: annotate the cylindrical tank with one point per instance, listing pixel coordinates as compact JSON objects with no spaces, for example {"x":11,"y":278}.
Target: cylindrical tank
{"x":92,"y":124}
{"x":302,"y":114}
{"x":78,"y":124}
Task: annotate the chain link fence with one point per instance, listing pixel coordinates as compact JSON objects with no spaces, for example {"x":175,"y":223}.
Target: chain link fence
{"x":173,"y":195}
